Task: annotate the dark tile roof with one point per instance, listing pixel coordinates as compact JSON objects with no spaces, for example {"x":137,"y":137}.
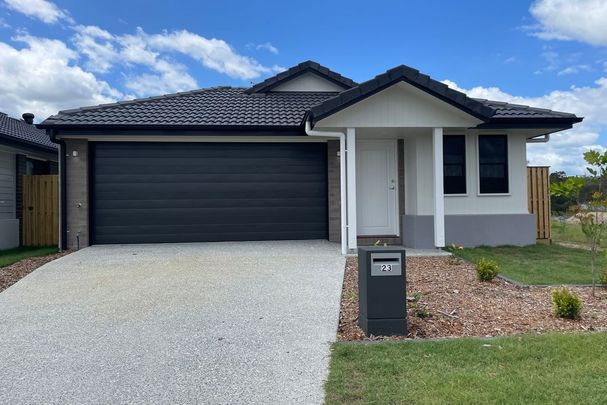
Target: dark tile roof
{"x":213,"y":107}
{"x":19,"y":131}
{"x":236,"y":107}
{"x":304,"y":67}
{"x":504,"y":110}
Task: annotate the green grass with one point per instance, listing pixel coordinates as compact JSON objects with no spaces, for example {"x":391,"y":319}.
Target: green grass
{"x":546,"y":369}
{"x":10,"y":256}
{"x":570,"y":233}
{"x":538,"y":264}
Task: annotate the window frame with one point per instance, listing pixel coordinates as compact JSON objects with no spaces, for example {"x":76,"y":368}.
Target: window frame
{"x":465,"y":165}
{"x":478,"y":165}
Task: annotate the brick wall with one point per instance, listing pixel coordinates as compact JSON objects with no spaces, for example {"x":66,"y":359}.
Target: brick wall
{"x":21,"y":168}
{"x":77,"y":204}
{"x":334,"y":193}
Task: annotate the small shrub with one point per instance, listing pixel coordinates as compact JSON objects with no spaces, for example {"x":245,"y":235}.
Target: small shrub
{"x":603,"y":277}
{"x":486,"y":269}
{"x":566,"y":304}
{"x":422,"y":313}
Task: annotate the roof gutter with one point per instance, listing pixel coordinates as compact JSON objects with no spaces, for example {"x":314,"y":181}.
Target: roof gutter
{"x":52,"y":133}
{"x":342,"y":178}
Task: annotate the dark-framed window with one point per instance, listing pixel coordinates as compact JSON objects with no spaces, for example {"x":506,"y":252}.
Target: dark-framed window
{"x":454,"y":164}
{"x":493,"y":164}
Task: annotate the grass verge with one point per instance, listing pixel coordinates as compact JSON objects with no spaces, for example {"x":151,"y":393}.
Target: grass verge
{"x":10,"y":256}
{"x":538,"y":264}
{"x":551,"y":368}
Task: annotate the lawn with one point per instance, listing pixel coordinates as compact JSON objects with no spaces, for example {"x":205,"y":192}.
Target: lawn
{"x":10,"y":256}
{"x":563,"y":232}
{"x":538,"y":264}
{"x":551,"y":368}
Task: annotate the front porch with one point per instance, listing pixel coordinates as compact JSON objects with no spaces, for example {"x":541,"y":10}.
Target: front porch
{"x":383,"y":186}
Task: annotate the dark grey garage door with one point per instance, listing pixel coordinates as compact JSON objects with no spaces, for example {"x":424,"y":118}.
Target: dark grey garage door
{"x":198,"y":192}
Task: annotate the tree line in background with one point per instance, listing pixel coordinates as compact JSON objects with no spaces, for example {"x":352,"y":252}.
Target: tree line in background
{"x":567,"y":193}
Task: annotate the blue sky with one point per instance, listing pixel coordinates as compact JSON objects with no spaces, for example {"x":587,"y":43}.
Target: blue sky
{"x":549,"y":53}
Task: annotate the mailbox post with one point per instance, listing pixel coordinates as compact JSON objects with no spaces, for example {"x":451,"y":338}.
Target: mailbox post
{"x":382,"y":290}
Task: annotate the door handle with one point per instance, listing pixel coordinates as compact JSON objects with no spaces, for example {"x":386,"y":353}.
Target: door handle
{"x":392,"y":188}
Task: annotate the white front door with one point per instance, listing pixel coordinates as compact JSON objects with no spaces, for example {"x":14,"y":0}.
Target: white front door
{"x":376,"y":188}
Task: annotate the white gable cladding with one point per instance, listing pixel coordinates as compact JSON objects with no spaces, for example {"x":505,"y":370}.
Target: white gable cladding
{"x":401,"y":105}
{"x":308,"y":82}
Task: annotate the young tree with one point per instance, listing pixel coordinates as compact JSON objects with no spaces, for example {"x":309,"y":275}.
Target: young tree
{"x":592,"y":219}
{"x":569,"y":190}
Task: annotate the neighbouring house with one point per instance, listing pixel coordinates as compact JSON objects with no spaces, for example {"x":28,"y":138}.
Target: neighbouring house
{"x":306,"y":154}
{"x":24,"y":150}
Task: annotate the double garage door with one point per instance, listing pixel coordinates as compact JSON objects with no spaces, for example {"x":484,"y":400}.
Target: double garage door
{"x":198,"y":192}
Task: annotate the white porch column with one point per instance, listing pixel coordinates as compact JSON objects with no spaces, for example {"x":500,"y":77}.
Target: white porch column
{"x":439,"y":197}
{"x":351,"y":189}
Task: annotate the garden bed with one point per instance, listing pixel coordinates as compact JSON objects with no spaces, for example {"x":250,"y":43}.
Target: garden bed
{"x":460,"y":305}
{"x":9,"y":275}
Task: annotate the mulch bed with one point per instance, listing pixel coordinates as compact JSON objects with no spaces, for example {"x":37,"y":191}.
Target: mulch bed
{"x":460,"y":305}
{"x":9,"y":275}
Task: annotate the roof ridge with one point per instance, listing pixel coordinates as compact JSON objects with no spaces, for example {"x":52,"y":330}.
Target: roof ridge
{"x":300,"y":68}
{"x":143,"y":100}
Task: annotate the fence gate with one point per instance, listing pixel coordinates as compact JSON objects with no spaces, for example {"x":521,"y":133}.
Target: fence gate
{"x":538,"y":186}
{"x":40,"y":210}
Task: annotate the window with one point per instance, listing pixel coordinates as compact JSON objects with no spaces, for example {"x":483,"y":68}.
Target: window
{"x":454,"y":164}
{"x":493,"y":163}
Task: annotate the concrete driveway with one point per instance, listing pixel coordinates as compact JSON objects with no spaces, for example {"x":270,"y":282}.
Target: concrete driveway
{"x":244,"y":322}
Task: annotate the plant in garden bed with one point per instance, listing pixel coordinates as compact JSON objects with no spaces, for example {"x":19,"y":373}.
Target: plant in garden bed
{"x":566,"y":304}
{"x":486,"y":269}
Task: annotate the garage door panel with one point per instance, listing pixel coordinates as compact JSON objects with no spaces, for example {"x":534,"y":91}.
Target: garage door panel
{"x":225,"y":192}
{"x":207,"y":228}
{"x":209,"y":203}
{"x":173,"y":190}
{"x":155,"y":192}
{"x":211,"y":150}
{"x":201,"y":216}
{"x":208,"y":237}
{"x":158,"y":179}
{"x":180,"y":168}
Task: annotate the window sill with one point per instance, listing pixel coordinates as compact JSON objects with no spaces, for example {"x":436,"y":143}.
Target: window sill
{"x":456,"y":195}
{"x":493,"y":194}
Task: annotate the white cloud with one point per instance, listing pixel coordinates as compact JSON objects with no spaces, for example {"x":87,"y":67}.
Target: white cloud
{"x":104,"y":51}
{"x":570,"y":70}
{"x":564,"y":151}
{"x":96,"y":44}
{"x":212,"y":53}
{"x":580,"y":20}
{"x":268,"y":47}
{"x":43,"y":10}
{"x":42,"y":78}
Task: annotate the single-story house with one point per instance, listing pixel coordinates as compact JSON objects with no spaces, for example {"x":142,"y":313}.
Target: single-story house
{"x":24,"y":150}
{"x":306,"y":154}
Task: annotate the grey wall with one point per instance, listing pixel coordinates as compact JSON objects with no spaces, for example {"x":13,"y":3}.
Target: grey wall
{"x":470,"y":230}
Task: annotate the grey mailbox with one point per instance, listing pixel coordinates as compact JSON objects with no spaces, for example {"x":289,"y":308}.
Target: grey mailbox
{"x":382,"y":290}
